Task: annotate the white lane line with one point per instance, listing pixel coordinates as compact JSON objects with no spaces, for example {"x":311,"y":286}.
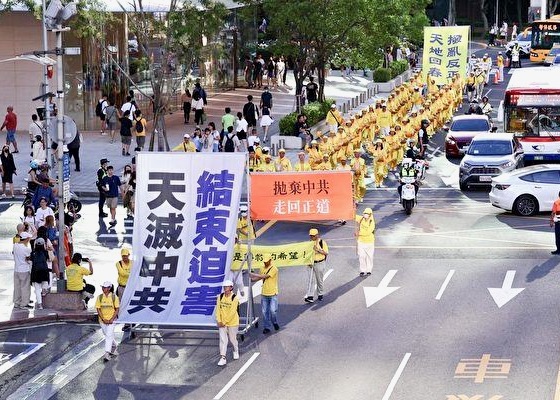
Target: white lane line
{"x":31,"y":348}
{"x":236,"y":376}
{"x":114,"y":235}
{"x":330,"y":271}
{"x":445,"y":283}
{"x":61,"y":372}
{"x":396,"y":377}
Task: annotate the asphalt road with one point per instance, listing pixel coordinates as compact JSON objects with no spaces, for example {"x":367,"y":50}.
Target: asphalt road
{"x":461,"y":306}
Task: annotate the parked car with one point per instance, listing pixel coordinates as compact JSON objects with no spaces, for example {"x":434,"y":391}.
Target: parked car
{"x":489,"y":155}
{"x":528,"y":190}
{"x":549,"y":59}
{"x":462,"y":130}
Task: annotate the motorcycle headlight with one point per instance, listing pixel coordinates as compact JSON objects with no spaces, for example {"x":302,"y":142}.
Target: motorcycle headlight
{"x":450,"y":140}
{"x":465,"y":166}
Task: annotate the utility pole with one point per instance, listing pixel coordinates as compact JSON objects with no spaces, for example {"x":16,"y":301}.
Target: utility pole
{"x":47,"y":114}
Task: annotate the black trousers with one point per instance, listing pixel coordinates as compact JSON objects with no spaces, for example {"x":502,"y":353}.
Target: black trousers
{"x":557,"y":235}
{"x":187,"y":111}
{"x":101,"y":202}
{"x":76,"y":154}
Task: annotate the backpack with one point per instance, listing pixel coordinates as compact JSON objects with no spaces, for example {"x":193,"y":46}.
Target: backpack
{"x":98,"y":108}
{"x":232,"y":297}
{"x":39,"y":260}
{"x":230,"y":145}
{"x":322,"y":248}
{"x":139,"y":126}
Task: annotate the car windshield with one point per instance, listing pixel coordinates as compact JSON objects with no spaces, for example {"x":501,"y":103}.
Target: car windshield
{"x":470,"y":125}
{"x":489,"y":148}
{"x":557,"y":59}
{"x":554,"y":51}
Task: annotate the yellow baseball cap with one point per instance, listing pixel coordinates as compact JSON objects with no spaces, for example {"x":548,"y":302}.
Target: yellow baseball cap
{"x":125,"y":252}
{"x":313,"y":232}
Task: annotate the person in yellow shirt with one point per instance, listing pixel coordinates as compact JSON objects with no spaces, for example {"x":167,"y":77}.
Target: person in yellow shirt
{"x":244,"y":231}
{"x":365,"y":230}
{"x":283,"y":163}
{"x":269,"y":293}
{"x":500,"y":64}
{"x":358,"y":166}
{"x":75,"y":277}
{"x":123,"y":266}
{"x":316,"y":271}
{"x":380,"y":162}
{"x":333,"y":118}
{"x":384,"y":121}
{"x":268,"y":165}
{"x":107,"y":306}
{"x":186,"y":145}
{"x":325,"y":165}
{"x":227,"y":318}
{"x":301,"y":165}
{"x":315,"y":157}
{"x":138,"y":121}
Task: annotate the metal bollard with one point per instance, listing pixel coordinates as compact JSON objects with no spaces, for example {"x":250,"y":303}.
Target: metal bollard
{"x":281,"y":144}
{"x":357,"y":101}
{"x":274,"y":150}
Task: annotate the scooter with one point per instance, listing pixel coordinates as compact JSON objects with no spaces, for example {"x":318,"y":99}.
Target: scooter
{"x":408,"y":193}
{"x":74,"y":205}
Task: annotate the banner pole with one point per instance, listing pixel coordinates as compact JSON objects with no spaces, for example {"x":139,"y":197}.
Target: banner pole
{"x":250,"y":304}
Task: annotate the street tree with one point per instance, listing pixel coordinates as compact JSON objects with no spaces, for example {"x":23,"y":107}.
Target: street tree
{"x":315,"y":32}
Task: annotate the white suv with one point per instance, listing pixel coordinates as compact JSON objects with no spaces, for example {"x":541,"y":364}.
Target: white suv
{"x":489,"y":155}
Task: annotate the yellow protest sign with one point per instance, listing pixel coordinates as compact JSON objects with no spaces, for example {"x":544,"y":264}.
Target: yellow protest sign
{"x":284,"y":255}
{"x":445,"y":52}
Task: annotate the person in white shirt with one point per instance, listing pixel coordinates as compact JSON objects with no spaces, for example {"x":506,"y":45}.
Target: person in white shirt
{"x":128,"y":106}
{"x":241,"y":128}
{"x":252,"y":137}
{"x":207,"y":141}
{"x":38,"y":149}
{"x":43,"y":212}
{"x":22,"y":271}
{"x":35,"y":128}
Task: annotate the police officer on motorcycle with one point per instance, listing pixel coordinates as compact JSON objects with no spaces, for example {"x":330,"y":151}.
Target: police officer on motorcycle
{"x":407,"y":170}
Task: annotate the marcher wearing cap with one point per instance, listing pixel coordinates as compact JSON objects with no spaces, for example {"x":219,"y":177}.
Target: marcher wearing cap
{"x":500,"y":65}
{"x":268,"y":165}
{"x":358,"y":166}
{"x":22,"y":271}
{"x":365,"y":229}
{"x":384,"y":120}
{"x":334,"y":118}
{"x":244,"y":231}
{"x":187,"y":145}
{"x":227,"y":318}
{"x":269,"y":293}
{"x":283,"y":163}
{"x":101,"y":174}
{"x":107,"y":306}
{"x":123,"y":266}
{"x":302,"y":165}
{"x":316,"y":271}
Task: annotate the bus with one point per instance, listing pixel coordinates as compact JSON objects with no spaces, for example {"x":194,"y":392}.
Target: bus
{"x":543,"y":35}
{"x":531,"y":111}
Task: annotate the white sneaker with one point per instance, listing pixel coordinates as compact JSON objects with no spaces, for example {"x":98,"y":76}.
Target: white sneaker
{"x":222,"y":361}
{"x":106,"y":357}
{"x":236,"y":355}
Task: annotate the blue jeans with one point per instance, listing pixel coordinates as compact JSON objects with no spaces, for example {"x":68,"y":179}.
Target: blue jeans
{"x":269,"y":309}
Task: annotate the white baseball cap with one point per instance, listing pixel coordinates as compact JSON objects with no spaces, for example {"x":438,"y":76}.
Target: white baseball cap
{"x":227,"y":282}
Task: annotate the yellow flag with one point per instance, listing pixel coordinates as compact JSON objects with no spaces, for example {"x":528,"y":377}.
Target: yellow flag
{"x":284,"y":255}
{"x":446,"y":51}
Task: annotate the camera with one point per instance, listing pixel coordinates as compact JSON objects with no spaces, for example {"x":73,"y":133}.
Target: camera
{"x":85,"y":259}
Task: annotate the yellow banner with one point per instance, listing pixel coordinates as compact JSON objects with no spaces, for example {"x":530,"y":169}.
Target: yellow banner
{"x":284,"y":255}
{"x":446,"y":51}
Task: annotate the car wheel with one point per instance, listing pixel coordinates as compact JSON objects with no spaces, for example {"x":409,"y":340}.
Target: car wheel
{"x":526,"y":205}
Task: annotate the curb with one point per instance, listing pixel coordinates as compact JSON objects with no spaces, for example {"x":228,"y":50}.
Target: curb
{"x":51,"y":317}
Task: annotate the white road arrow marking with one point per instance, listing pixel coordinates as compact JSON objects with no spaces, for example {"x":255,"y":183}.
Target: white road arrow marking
{"x":504,"y":294}
{"x":374,"y":294}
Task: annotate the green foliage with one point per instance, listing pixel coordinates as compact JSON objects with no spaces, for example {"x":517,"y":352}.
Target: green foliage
{"x":398,"y":67}
{"x":315,"y":113}
{"x":382,"y":75}
{"x":91,"y":20}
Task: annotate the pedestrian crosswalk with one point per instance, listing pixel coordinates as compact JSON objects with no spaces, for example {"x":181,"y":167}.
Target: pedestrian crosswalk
{"x":121,"y":232}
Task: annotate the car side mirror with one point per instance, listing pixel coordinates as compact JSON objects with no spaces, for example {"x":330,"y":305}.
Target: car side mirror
{"x":494,"y":129}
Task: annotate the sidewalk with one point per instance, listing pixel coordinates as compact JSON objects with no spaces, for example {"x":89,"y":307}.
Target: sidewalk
{"x":95,"y":146}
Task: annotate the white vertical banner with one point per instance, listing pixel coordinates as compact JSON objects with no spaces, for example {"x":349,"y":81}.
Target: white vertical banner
{"x":184,"y":233}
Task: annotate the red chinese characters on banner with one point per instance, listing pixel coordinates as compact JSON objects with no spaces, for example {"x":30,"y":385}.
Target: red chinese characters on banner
{"x":313,"y":196}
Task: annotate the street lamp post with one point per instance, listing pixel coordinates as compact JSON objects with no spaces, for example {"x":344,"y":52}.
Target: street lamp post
{"x":497,"y":11}
{"x":47,"y":114}
{"x":60,"y":149}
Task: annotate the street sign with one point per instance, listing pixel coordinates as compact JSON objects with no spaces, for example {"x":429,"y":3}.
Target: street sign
{"x":66,"y":177}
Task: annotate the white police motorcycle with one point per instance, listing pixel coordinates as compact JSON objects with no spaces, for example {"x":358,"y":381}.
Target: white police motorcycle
{"x":408,"y":188}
